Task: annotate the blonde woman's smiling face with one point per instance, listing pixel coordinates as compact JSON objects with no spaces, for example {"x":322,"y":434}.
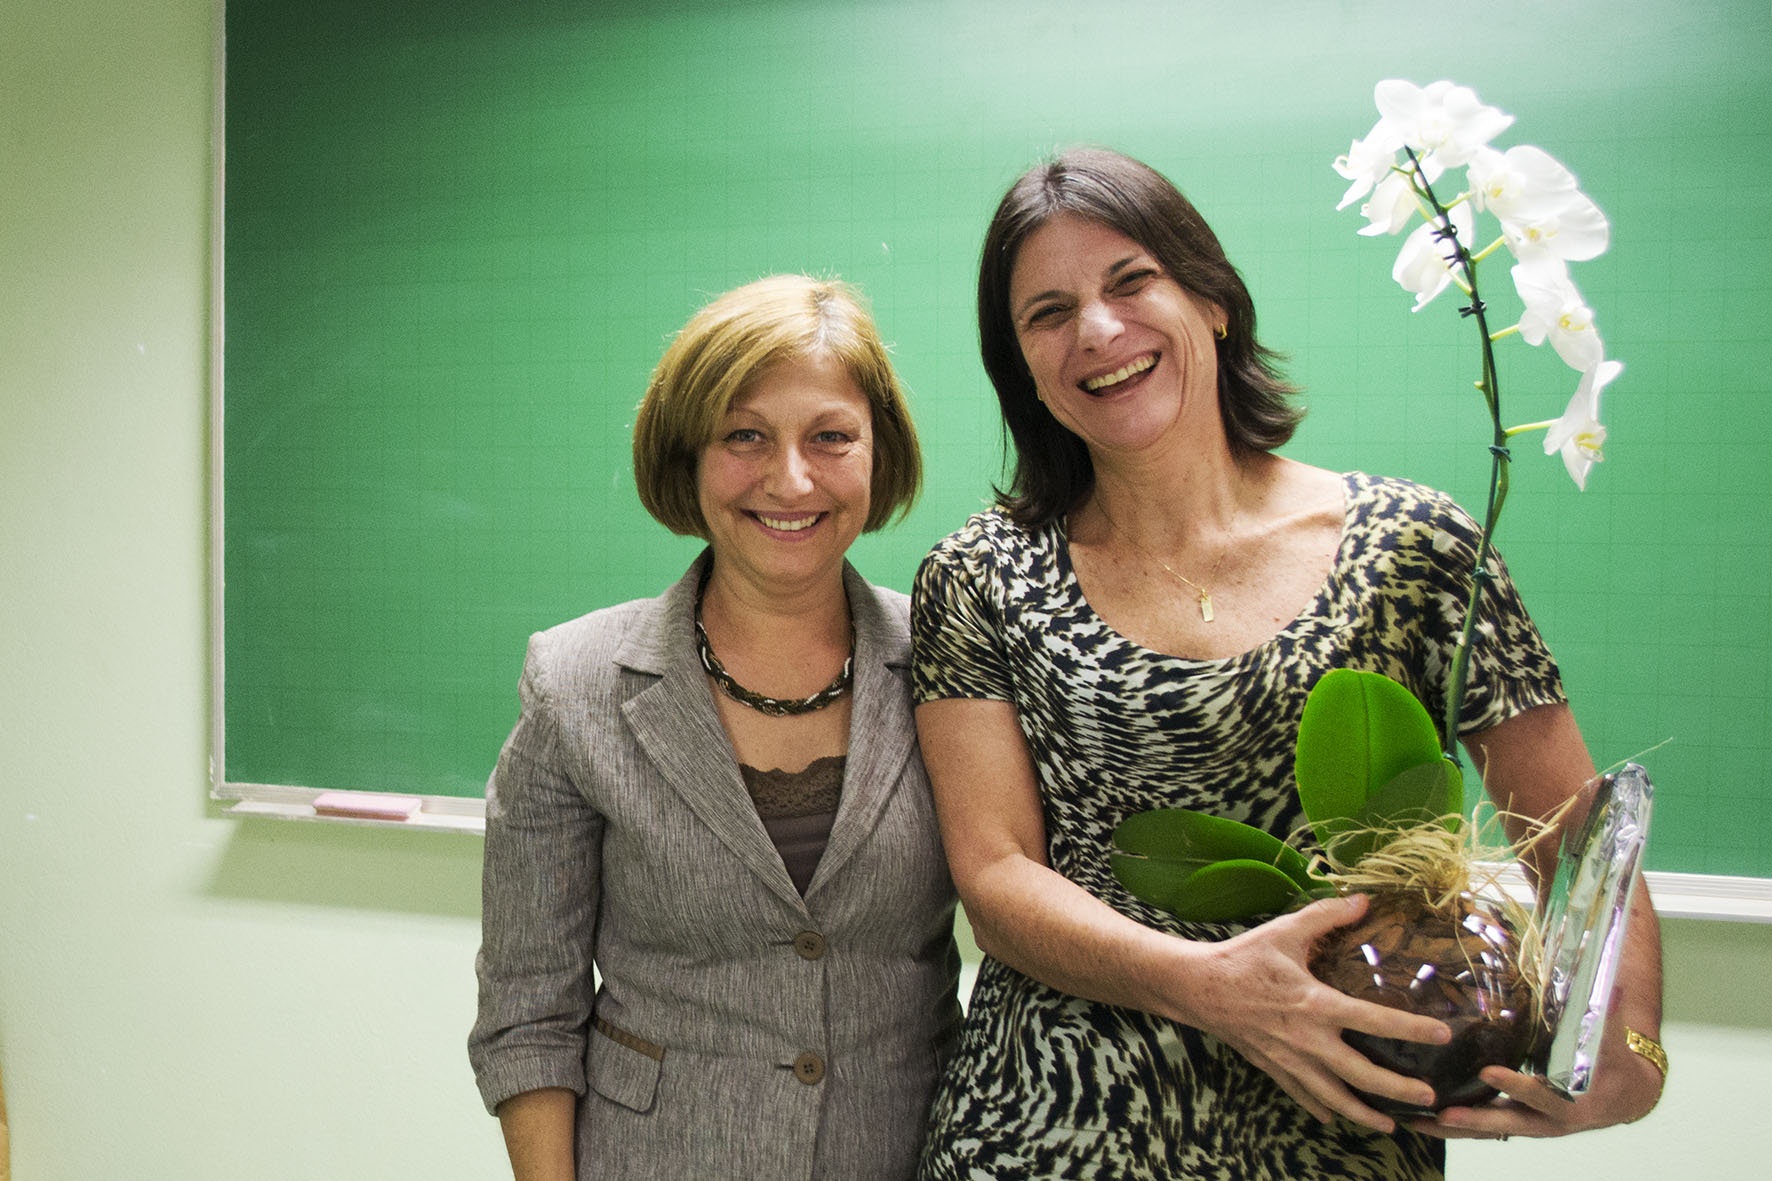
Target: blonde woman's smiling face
{"x":785,"y":485}
{"x":1121,"y":354}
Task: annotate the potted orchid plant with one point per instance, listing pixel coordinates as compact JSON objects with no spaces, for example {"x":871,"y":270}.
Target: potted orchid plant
{"x":1378,"y":780}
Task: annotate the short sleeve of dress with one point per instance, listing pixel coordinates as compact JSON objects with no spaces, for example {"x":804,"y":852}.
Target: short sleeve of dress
{"x":1511,"y":667}
{"x":957,"y":621}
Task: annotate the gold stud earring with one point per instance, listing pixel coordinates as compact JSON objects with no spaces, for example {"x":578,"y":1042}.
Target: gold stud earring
{"x":1222,"y":332}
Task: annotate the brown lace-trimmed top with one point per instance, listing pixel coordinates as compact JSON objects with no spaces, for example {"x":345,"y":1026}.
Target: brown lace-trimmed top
{"x":797,"y":809}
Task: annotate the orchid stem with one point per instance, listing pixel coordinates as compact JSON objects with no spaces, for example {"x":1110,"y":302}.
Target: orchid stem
{"x":1498,"y":464}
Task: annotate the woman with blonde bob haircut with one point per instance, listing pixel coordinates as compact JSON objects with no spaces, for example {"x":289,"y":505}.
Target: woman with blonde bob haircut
{"x":722,"y":349}
{"x":714,"y":797}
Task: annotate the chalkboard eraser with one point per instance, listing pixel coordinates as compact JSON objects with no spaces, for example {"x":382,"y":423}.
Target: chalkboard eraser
{"x":366,"y":805}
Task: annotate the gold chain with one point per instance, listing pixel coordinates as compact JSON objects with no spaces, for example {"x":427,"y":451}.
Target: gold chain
{"x":1206,"y":612}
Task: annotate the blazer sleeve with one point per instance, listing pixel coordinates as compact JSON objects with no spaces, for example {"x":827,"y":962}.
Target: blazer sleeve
{"x":539,"y":903}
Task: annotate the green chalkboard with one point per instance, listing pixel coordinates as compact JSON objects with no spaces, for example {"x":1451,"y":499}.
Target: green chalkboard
{"x":458,"y":233}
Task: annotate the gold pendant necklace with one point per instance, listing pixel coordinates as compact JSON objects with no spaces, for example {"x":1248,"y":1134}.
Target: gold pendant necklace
{"x":1205,"y":596}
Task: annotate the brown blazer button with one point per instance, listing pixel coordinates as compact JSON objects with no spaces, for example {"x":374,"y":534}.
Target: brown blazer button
{"x":809,"y":1068}
{"x":810,"y":945}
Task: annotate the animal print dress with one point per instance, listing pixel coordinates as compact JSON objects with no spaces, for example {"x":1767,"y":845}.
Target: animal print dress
{"x":1046,"y":1085}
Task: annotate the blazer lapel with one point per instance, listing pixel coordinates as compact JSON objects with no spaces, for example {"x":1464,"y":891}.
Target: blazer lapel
{"x":674,"y":722}
{"x":882,"y":733}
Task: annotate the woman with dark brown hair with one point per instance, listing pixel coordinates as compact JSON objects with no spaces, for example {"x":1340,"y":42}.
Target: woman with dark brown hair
{"x":1137,"y":626}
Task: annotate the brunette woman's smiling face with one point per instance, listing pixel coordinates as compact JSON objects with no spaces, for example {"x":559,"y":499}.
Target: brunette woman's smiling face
{"x":1121,"y":354}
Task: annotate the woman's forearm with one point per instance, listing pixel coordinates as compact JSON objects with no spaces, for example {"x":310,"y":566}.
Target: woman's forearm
{"x":539,"y":1127}
{"x":1047,"y":927}
{"x":1636,"y":1008}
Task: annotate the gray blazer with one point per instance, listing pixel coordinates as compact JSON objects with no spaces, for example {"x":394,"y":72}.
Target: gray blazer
{"x":739,"y":1030}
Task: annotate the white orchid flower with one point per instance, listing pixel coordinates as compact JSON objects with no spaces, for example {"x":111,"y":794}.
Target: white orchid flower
{"x":1425,"y":264}
{"x":1393,"y":206}
{"x":1368,"y":161}
{"x":1541,"y":208}
{"x":1575,"y":231}
{"x":1443,"y":119}
{"x":1394,"y":202}
{"x":1579,"y":434}
{"x":1556,"y":312}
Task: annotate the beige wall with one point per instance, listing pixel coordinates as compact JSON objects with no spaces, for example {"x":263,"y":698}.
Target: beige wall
{"x":188,"y":997}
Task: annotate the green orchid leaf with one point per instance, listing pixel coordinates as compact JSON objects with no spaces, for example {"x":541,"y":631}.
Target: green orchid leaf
{"x":1359,"y":731}
{"x":1156,"y":882}
{"x":1234,"y":890}
{"x":1187,"y":840}
{"x":1432,"y":792}
{"x":1215,"y":893}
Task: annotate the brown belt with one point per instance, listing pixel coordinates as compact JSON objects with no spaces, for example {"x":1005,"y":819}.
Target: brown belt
{"x":622,"y":1037}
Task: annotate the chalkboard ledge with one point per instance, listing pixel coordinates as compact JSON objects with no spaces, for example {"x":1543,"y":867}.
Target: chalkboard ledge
{"x":1711,"y":896}
{"x":1684,"y":895}
{"x":437,"y":813}
{"x":1676,"y":895}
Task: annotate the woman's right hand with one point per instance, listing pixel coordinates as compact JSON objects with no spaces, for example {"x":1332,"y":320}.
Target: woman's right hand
{"x":1255,"y":993}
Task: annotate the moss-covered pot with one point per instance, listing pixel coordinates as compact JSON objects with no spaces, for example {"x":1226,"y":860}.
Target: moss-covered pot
{"x":1461,"y":965}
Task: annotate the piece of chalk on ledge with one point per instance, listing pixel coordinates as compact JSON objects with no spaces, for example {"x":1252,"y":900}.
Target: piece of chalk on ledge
{"x":366,"y":805}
